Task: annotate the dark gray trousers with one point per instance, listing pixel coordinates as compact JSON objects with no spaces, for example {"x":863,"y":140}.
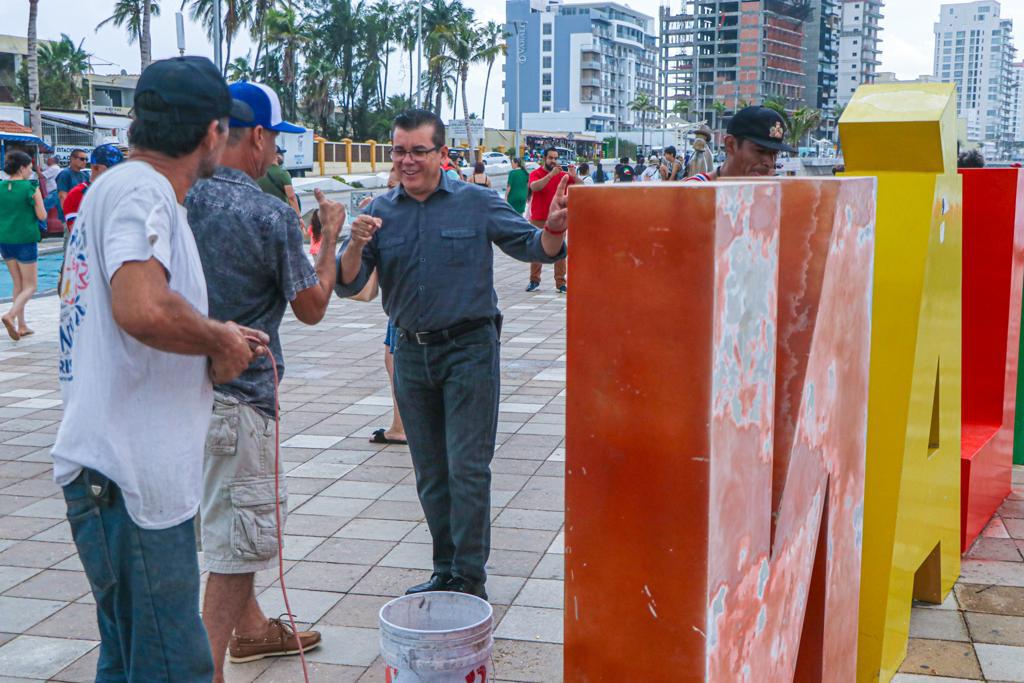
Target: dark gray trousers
{"x":448,"y":396}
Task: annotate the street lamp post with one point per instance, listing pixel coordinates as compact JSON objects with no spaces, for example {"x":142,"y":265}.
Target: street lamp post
{"x":419,"y":53}
{"x":218,"y":59}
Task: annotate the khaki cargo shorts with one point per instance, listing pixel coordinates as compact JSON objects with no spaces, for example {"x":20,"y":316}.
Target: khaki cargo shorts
{"x":239,"y":525}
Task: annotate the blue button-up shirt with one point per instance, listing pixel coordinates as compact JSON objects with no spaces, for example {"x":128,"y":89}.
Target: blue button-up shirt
{"x":435,"y":260}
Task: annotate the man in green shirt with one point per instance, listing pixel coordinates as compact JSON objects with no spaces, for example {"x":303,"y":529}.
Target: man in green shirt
{"x":278,"y":182}
{"x":517,"y":188}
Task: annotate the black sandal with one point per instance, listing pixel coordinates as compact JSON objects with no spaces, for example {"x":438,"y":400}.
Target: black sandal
{"x":378,"y":437}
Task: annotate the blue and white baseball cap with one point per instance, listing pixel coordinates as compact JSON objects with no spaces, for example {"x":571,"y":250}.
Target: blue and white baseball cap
{"x":265,"y":105}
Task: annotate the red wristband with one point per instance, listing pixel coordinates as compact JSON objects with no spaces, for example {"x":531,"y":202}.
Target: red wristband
{"x":554,"y":232}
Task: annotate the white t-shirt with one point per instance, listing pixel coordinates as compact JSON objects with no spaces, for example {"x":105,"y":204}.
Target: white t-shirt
{"x":135,"y":414}
{"x":51,"y":173}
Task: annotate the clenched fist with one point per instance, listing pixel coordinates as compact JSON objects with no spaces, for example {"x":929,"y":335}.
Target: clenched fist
{"x":363,"y":229}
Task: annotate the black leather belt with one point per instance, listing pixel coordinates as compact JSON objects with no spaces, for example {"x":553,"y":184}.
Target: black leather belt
{"x":439,"y":336}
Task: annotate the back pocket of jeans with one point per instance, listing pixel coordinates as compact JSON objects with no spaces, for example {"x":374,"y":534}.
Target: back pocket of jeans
{"x":254,"y":527}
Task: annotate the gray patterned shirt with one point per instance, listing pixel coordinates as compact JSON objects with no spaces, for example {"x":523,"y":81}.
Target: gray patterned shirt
{"x":252,"y":251}
{"x":435,"y":257}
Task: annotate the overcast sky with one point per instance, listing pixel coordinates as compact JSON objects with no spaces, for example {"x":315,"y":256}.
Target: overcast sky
{"x":907,"y":37}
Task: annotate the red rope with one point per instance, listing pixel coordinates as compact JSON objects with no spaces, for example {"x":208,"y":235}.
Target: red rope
{"x":277,"y":509}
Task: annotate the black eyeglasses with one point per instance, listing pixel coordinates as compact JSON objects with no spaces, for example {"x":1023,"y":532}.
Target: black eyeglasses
{"x":417,"y":154}
{"x":81,"y":158}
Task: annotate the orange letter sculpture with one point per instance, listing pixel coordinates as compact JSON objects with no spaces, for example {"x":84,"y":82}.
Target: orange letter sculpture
{"x":726,"y":350}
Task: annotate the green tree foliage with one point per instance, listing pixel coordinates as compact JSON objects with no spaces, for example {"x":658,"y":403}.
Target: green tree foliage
{"x":131,"y":15}
{"x":61,"y":66}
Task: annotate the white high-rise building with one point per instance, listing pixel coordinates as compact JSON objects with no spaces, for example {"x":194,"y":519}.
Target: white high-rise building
{"x":858,"y":45}
{"x":974,"y":50}
{"x":1017,"y":110}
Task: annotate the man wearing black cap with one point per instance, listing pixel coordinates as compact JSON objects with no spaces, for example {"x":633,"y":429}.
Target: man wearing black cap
{"x":753,"y":140}
{"x":138,"y":358}
{"x":256,"y":267}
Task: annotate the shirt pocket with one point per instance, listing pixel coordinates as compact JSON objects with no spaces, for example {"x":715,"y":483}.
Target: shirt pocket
{"x":457,"y":245}
{"x":391,"y":253}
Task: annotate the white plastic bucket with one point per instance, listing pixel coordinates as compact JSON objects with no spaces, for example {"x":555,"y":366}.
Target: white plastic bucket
{"x":436,"y":638}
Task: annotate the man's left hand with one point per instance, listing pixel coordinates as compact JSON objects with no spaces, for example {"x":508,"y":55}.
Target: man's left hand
{"x":558,"y":217}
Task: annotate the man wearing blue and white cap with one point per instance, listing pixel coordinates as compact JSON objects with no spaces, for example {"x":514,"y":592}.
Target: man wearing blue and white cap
{"x":252,"y":252}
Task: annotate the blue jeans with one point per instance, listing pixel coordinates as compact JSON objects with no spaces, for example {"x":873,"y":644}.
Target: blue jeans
{"x":146,"y":586}
{"x":448,"y":396}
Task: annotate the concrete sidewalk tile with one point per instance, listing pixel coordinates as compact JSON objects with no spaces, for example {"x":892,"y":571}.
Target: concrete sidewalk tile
{"x":74,"y":621}
{"x":308,"y":606}
{"x":995,"y":628}
{"x":937,"y":624}
{"x":376,"y":529}
{"x":17,"y":615}
{"x":351,"y":551}
{"x":532,"y":624}
{"x":356,"y":610}
{"x":1001,"y":662}
{"x":517,"y":660}
{"x":39,"y":657}
{"x":52,"y":584}
{"x":941,"y":658}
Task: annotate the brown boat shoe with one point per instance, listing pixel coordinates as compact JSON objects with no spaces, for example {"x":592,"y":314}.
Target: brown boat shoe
{"x":277,"y":641}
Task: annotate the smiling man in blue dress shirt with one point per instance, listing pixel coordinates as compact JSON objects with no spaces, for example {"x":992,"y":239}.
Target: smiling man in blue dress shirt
{"x":430,"y":239}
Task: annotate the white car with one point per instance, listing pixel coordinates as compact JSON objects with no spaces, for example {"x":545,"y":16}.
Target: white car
{"x":496,"y":159}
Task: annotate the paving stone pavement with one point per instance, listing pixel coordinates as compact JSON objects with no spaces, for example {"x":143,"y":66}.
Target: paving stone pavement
{"x":356,"y":536}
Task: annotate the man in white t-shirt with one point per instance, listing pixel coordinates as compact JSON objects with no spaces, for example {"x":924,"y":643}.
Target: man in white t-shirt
{"x":137,"y":356}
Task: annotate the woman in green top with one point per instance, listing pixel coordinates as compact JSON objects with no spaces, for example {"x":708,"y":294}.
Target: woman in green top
{"x":21,"y":209}
{"x":516,"y":191}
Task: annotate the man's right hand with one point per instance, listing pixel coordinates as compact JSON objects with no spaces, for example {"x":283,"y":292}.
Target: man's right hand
{"x":555,"y":170}
{"x":236,"y":352}
{"x":363,"y":229}
{"x":332,"y":214}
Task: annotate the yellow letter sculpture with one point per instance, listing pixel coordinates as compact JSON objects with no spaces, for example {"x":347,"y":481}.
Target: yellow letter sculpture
{"x":905,"y":134}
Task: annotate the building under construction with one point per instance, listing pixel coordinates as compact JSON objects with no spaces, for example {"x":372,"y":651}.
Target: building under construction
{"x":736,"y":52}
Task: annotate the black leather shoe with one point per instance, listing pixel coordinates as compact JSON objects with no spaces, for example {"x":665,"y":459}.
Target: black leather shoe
{"x":438,"y":582}
{"x":457,"y":584}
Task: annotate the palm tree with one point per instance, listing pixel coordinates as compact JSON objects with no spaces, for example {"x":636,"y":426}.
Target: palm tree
{"x":237,"y":13}
{"x":257,"y":25}
{"x":35,"y":113}
{"x":318,"y":86}
{"x":285,"y":30}
{"x":643,"y":106}
{"x":135,"y":15}
{"x":719,"y":110}
{"x":241,"y":69}
{"x":682,"y":109}
{"x":493,"y":37}
{"x":408,"y":36}
{"x":382,"y":21}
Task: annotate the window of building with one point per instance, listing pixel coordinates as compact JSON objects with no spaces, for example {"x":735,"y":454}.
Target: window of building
{"x":546,"y":63}
{"x":546,"y":95}
{"x":546,"y":79}
{"x":546,"y":46}
{"x":547,"y":29}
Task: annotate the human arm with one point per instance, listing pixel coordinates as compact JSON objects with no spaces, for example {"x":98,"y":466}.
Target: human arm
{"x":515,"y":236}
{"x":37,"y":199}
{"x":146,"y":308}
{"x":293,"y":201}
{"x":310,"y":304}
{"x":357,"y":262}
{"x":538,"y":185}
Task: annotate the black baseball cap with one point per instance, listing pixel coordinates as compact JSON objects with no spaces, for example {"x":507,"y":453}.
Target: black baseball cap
{"x":762,"y":126}
{"x":186,"y":90}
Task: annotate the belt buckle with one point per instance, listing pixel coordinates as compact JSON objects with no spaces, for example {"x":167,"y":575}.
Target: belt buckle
{"x":420,"y":341}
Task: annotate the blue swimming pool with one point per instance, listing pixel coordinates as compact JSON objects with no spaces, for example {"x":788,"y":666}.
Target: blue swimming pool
{"x":49,"y":269}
